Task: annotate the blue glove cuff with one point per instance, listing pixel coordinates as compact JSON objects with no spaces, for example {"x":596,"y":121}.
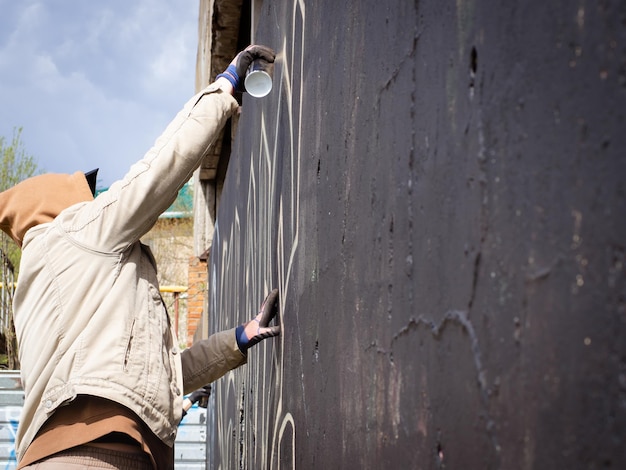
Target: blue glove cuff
{"x":242,"y":339}
{"x":230,"y":74}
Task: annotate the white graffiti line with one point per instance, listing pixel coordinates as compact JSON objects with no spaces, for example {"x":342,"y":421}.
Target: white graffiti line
{"x":239,"y":264}
{"x":288,"y":420}
{"x":225,"y":427}
{"x":295,"y":207}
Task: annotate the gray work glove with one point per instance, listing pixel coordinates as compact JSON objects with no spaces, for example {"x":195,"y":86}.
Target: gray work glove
{"x":236,"y":71}
{"x":197,"y":395}
{"x":258,"y":329}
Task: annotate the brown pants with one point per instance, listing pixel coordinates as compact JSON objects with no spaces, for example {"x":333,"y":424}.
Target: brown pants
{"x":93,"y":457}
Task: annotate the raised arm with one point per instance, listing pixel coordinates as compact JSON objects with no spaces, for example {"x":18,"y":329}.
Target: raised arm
{"x":131,"y":206}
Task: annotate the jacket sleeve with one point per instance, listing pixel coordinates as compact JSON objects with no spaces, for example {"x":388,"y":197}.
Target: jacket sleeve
{"x":130,"y":207}
{"x":209,"y":359}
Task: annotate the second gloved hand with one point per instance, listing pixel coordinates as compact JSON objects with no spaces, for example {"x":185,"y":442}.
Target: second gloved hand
{"x":197,"y":395}
{"x":258,"y":329}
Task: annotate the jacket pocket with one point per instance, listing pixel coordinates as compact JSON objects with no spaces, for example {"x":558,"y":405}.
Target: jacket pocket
{"x":129,"y":346}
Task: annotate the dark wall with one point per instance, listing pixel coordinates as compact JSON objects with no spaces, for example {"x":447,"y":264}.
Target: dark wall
{"x":438,"y":190}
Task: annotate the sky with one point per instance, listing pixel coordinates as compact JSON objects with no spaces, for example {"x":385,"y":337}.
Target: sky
{"x":93,"y":83}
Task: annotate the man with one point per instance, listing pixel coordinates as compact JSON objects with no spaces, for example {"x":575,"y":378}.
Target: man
{"x":102,"y":374}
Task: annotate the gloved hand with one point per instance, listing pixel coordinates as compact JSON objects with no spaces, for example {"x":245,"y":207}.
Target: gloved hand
{"x":197,"y":395}
{"x":236,"y":71}
{"x":257,"y":329}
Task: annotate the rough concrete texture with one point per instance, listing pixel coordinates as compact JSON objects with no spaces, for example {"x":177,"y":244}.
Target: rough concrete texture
{"x":438,"y":190}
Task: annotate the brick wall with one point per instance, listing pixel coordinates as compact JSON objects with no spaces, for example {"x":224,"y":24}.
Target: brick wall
{"x":197,"y":285}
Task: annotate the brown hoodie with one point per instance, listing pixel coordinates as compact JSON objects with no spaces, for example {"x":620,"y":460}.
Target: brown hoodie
{"x":38,"y":200}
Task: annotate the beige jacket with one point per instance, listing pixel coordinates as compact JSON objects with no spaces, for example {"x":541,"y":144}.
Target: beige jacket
{"x":88,"y":313}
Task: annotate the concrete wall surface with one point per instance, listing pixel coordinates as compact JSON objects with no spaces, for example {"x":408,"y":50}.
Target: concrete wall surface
{"x":438,"y":189}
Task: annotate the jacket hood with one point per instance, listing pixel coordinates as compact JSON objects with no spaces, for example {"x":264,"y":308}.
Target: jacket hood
{"x":39,"y":200}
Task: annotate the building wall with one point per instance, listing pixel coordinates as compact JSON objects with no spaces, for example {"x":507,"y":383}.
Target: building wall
{"x":196,"y":295}
{"x":437,"y":189}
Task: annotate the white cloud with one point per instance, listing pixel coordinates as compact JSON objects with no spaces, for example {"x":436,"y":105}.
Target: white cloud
{"x":94,"y":83}
{"x":171,"y":64}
